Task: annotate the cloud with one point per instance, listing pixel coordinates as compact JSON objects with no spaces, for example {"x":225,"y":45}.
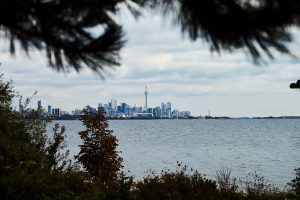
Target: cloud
{"x":174,"y":68}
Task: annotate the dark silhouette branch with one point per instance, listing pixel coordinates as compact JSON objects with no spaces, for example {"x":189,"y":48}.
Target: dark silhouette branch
{"x":63,"y":27}
{"x":235,"y":24}
{"x":295,"y":85}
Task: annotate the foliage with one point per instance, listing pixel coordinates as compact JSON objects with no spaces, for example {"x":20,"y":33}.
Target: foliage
{"x":295,"y":85}
{"x":224,"y":180}
{"x":62,"y":28}
{"x":6,"y":94}
{"x":227,"y":186}
{"x":98,"y":154}
{"x":236,"y":24}
{"x":295,"y":183}
{"x":31,"y":163}
{"x":176,"y":185}
{"x":56,"y":157}
{"x":33,"y":147}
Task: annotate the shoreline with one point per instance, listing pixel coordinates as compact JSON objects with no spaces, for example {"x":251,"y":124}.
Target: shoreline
{"x":190,"y":118}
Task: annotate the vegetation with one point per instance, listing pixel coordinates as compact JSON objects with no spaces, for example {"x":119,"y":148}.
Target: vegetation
{"x":295,"y":85}
{"x":34,"y":165}
{"x":295,"y":184}
{"x":98,"y":154}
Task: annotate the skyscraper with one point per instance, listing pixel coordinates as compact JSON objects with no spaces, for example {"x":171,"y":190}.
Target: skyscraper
{"x":39,"y":106}
{"x":163,"y":109}
{"x":168,"y":109}
{"x":114,"y":104}
{"x":146,"y":98}
{"x":49,"y":109}
{"x":56,"y":112}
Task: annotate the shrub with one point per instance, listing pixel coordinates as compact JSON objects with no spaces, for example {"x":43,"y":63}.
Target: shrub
{"x":257,"y":188}
{"x":176,"y":185}
{"x":295,"y":184}
{"x":32,"y":165}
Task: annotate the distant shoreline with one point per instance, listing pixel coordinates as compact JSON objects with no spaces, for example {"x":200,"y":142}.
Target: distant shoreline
{"x":70,"y":117}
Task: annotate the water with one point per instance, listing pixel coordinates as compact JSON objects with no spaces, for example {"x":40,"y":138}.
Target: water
{"x":269,"y":147}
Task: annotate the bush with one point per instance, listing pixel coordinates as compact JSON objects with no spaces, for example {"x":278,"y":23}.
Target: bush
{"x":295,"y":184}
{"x":176,"y":185}
{"x":32,"y":165}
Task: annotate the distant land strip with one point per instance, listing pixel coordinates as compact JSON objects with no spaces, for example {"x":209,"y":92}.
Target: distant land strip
{"x":77,"y":117}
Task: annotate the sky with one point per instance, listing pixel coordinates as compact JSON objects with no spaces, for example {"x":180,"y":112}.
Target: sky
{"x":175,"y":70}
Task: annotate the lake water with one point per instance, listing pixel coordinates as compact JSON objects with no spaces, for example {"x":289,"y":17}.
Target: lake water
{"x":269,"y":147}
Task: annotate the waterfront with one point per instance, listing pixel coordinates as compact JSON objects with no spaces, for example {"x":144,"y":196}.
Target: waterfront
{"x":269,"y":147}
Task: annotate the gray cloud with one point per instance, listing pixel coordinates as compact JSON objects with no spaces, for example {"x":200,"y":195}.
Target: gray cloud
{"x":176,"y":70}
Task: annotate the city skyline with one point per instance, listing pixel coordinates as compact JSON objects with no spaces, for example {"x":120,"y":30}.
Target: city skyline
{"x":113,"y":108}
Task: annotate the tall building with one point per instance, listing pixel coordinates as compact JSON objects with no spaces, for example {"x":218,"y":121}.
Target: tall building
{"x":100,"y":107}
{"x":146,"y":98}
{"x":77,"y":112}
{"x":119,"y":109}
{"x":150,"y":111}
{"x":157,"y":112}
{"x":163,"y":109}
{"x":124,"y":106}
{"x":168,"y":109}
{"x":56,"y":112}
{"x":39,"y":104}
{"x":49,"y":109}
{"x":175,"y":113}
{"x":114,"y":104}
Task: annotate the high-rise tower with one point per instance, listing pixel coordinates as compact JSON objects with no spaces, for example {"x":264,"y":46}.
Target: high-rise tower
{"x":146,"y":98}
{"x":39,"y":104}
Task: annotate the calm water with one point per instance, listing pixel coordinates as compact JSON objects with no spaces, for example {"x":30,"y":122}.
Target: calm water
{"x":269,"y":147}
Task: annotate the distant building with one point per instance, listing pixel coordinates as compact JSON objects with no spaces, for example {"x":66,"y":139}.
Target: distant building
{"x":150,"y":111}
{"x":62,"y":113}
{"x":49,"y":109}
{"x":175,"y":113}
{"x":138,"y":109}
{"x":39,"y":104}
{"x":100,"y":106}
{"x":56,"y":112}
{"x":185,"y":114}
{"x":156,"y":112}
{"x":114,"y":104}
{"x":128,"y":112}
{"x":77,"y":112}
{"x":119,"y":109}
{"x":124,"y":107}
{"x":168,"y":110}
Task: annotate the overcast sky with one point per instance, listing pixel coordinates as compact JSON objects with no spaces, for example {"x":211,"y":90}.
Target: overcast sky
{"x":175,"y":70}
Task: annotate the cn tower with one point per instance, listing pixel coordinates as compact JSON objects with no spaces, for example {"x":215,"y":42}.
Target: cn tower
{"x":146,"y":98}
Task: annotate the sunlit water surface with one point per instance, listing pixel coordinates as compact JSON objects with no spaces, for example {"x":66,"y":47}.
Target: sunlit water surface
{"x":269,"y":147}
